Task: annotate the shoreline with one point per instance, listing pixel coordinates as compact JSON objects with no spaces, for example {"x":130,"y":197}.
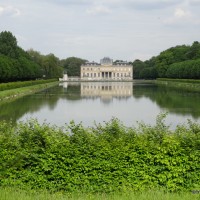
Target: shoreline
{"x":188,"y":85}
{"x":22,"y":91}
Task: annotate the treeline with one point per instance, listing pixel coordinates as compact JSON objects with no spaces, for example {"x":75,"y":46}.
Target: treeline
{"x":19,"y":65}
{"x":50,"y":64}
{"x":176,"y":62}
{"x":15,"y":63}
{"x":53,"y":67}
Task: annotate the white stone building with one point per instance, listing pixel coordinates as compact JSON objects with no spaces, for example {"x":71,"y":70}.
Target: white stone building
{"x":107,"y":70}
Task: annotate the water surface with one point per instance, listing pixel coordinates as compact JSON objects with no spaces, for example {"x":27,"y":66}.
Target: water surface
{"x":90,"y":102}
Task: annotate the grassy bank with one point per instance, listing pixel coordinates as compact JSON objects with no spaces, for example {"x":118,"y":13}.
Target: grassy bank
{"x":18,"y":89}
{"x":18,"y":194}
{"x":20,"y":84}
{"x":183,"y":84}
{"x":106,"y":158}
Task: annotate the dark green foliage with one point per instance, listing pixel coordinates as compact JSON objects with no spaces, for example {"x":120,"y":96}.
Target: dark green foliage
{"x":148,"y":73}
{"x":50,"y":64}
{"x":72,"y":65}
{"x":184,"y":70}
{"x":170,"y":56}
{"x":19,"y":65}
{"x":138,"y":67}
{"x":105,"y":158}
{"x":15,"y":63}
{"x":8,"y":44}
{"x":176,"y":62}
{"x":194,"y":51}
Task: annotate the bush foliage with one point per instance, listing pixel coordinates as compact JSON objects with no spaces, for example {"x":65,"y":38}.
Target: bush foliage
{"x":104,"y":158}
{"x":19,"y":84}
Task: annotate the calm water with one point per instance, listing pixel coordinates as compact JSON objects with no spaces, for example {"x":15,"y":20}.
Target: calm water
{"x":91,"y":102}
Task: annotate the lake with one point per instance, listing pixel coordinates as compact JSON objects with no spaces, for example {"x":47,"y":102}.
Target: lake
{"x":97,"y":102}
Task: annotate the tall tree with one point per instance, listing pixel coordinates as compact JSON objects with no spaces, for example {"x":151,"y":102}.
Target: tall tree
{"x":8,"y":44}
{"x":15,"y":63}
{"x":50,"y":64}
{"x":72,"y":65}
{"x":138,"y":66}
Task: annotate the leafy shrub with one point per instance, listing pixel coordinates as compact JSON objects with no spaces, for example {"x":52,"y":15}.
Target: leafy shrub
{"x":107,"y":157}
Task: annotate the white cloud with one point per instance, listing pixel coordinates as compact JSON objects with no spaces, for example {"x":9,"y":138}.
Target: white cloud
{"x":180,"y":16}
{"x":98,"y":9}
{"x":131,"y":29}
{"x":180,"y":13}
{"x":9,"y":11}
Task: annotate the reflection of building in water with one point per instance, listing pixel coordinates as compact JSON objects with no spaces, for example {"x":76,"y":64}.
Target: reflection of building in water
{"x":66,"y":84}
{"x":107,"y":70}
{"x":107,"y":90}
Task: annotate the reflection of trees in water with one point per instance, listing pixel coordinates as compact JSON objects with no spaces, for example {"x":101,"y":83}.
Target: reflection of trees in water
{"x":73,"y":92}
{"x":14,"y":110}
{"x":176,"y":101}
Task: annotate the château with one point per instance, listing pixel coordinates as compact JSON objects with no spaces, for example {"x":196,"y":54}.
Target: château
{"x":107,"y":70}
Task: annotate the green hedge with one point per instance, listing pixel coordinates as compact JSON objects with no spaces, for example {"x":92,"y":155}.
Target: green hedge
{"x":189,"y":69}
{"x":183,"y":84}
{"x":105,"y":158}
{"x":19,"y":84}
{"x":179,"y":80}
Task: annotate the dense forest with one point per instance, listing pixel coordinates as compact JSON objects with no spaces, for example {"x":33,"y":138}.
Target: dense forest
{"x":17,"y":64}
{"x":182,"y":62}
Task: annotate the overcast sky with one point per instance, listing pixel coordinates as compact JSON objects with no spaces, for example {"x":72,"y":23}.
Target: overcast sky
{"x":92,"y":29}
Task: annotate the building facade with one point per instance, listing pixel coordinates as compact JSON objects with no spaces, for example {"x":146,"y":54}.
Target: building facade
{"x":107,"y":70}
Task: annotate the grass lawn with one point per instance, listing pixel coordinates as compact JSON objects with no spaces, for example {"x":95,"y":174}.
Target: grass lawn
{"x":18,"y":194}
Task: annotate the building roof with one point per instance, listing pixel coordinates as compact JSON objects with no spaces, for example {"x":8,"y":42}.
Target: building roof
{"x":107,"y":61}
